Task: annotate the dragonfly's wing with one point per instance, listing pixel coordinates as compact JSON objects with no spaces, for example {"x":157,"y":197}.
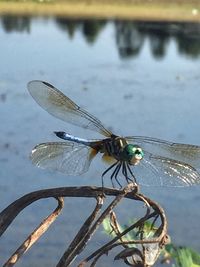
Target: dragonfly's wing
{"x":166,"y":163}
{"x":181,"y":152}
{"x":160,"y":171}
{"x":67,"y":157}
{"x":60,"y":106}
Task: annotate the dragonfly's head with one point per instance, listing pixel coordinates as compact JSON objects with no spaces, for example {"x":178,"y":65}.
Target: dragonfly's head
{"x":133,"y":153}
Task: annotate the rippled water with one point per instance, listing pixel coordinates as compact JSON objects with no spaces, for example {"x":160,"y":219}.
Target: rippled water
{"x":138,"y":78}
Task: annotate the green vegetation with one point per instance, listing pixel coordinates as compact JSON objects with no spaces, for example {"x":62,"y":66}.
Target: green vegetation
{"x":174,"y":255}
{"x":182,"y":256}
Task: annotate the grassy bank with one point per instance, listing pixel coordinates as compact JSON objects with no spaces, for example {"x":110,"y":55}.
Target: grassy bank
{"x":166,"y":10}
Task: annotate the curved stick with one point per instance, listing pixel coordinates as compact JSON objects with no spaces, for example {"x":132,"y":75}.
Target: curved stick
{"x":35,"y":235}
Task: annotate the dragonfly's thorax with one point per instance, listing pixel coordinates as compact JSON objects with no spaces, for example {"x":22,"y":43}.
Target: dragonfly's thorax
{"x":121,"y":150}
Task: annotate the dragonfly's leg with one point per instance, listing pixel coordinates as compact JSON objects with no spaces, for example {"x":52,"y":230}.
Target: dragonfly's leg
{"x":133,"y":176}
{"x":107,"y":170}
{"x":115,"y":173}
{"x":124,"y":171}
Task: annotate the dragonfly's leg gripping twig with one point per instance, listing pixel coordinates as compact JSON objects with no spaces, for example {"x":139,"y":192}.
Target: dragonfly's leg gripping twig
{"x":107,"y":170}
{"x":130,"y":171}
{"x":115,"y":174}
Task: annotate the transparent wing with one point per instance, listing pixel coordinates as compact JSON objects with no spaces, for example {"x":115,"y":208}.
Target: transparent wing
{"x":160,"y":171}
{"x":181,"y":152}
{"x":60,"y":106}
{"x":66,"y":157}
{"x":165,"y":163}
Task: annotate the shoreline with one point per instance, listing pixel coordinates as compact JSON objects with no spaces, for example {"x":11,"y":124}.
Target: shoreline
{"x":127,"y":10}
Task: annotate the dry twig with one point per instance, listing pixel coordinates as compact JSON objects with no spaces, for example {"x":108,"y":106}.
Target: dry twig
{"x":142,"y":252}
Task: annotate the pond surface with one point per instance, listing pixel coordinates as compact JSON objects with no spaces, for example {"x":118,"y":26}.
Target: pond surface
{"x":138,"y":78}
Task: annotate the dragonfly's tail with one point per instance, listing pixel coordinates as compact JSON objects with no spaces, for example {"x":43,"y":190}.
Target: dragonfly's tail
{"x":61,"y":135}
{"x":69,"y":137}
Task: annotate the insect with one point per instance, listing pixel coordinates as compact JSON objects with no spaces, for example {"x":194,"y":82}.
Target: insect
{"x":143,"y":160}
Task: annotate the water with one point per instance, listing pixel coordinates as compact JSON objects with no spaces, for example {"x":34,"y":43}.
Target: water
{"x":138,"y":78}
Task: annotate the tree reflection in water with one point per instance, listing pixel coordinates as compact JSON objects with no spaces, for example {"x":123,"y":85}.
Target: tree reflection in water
{"x":90,"y":29}
{"x":129,"y":40}
{"x":129,"y":35}
{"x":16,"y":23}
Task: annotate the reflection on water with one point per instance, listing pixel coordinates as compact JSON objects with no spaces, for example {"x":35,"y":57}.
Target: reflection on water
{"x":89,"y":28}
{"x":129,"y":35}
{"x":14,"y":23}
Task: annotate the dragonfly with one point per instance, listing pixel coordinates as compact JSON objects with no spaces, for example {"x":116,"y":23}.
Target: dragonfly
{"x":140,"y":159}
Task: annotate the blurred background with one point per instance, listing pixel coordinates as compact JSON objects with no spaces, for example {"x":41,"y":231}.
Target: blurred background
{"x":138,"y":76}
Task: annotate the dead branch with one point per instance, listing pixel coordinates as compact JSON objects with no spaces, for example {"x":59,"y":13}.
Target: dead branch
{"x":35,"y":235}
{"x":134,"y":251}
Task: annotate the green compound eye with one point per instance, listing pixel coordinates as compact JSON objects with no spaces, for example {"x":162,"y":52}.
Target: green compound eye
{"x":133,"y":151}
